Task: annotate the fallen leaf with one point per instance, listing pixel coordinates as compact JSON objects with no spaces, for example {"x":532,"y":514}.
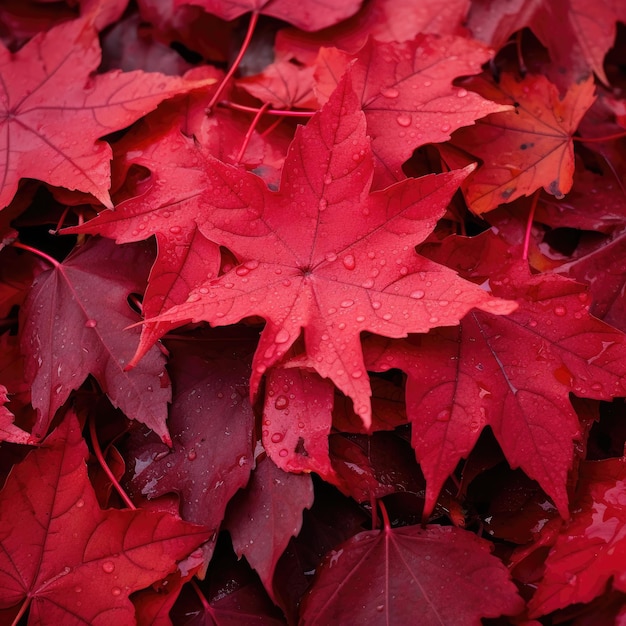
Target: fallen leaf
{"x":315,"y":255}
{"x":70,"y":561}
{"x":55,"y":109}
{"x":73,"y":324}
{"x":443,"y":574}
{"x":526,"y":148}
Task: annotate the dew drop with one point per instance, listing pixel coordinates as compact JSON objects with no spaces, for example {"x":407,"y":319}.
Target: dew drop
{"x":418,"y":295}
{"x":108,"y":567}
{"x":445,"y":128}
{"x":347,"y":304}
{"x":376,"y":305}
{"x":357,"y":374}
{"x":80,"y":503}
{"x":360,"y":318}
{"x":175,"y":230}
{"x":282,"y":336}
{"x":331,"y":256}
{"x":368,"y":284}
{"x":282,"y":402}
{"x":387,"y":316}
{"x":444,"y":416}
{"x":461,"y":93}
{"x":91,"y":323}
{"x":390,"y":93}
{"x":560,"y":311}
{"x":380,"y":608}
{"x":283,"y":452}
{"x":116,"y":591}
{"x":242,"y":270}
{"x":404,"y":120}
{"x":194,"y":297}
{"x":348,"y":262}
{"x":277,"y":437}
{"x":192,"y":455}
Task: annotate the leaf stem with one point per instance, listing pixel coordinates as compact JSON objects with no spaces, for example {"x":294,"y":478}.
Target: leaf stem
{"x":103,"y":464}
{"x":383,"y":512}
{"x":244,"y":46}
{"x":21,"y":612}
{"x":201,"y":597}
{"x":600,"y":139}
{"x":248,"y":137}
{"x":529,"y":224}
{"x":281,"y":112}
{"x":39,"y":253}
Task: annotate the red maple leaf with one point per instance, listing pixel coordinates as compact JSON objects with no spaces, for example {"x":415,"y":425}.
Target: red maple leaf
{"x":305,"y":14}
{"x":513,"y":373}
{"x":73,"y":324}
{"x":211,"y":424}
{"x":590,"y":551}
{"x":71,"y":562}
{"x":324,"y":256}
{"x":54,"y":111}
{"x":538,"y":131}
{"x":263,"y":518}
{"x":443,"y":574}
{"x":412,"y":101}
{"x":297,"y":418}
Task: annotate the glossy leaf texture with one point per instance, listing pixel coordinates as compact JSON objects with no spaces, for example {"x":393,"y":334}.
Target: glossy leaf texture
{"x":73,"y":562}
{"x":340,"y":285}
{"x":463,"y":379}
{"x":441,"y":574}
{"x":74,"y":323}
{"x":48,"y":112}
{"x":311,"y":272}
{"x":413,"y":101}
{"x":589,"y":553}
{"x":538,"y":130}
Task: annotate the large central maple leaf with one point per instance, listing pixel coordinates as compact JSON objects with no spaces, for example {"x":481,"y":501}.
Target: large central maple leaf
{"x":325,"y":256}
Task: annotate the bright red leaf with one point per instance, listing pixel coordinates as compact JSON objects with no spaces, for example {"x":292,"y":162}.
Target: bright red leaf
{"x":383,"y":20}
{"x":579,"y":44}
{"x":297,"y":418}
{"x":444,"y":575}
{"x":54,"y":111}
{"x":526,"y":148}
{"x":512,"y":373}
{"x":61,"y":554}
{"x":263,"y":518}
{"x":315,"y":255}
{"x":8,"y":430}
{"x":74,"y":324}
{"x":590,"y":551}
{"x":412,"y":101}
{"x":305,"y":14}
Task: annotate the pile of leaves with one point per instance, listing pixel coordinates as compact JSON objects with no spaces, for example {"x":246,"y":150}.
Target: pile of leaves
{"x":312,"y":312}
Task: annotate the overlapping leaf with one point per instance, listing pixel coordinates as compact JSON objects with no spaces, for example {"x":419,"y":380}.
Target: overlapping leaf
{"x":73,"y":562}
{"x":589,"y":553}
{"x":526,"y":148}
{"x":325,"y":256}
{"x":211,"y":423}
{"x":263,"y":518}
{"x":73,"y":324}
{"x":512,"y":373}
{"x":407,"y":94}
{"x":305,"y":14}
{"x":444,"y":575}
{"x":54,"y":111}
